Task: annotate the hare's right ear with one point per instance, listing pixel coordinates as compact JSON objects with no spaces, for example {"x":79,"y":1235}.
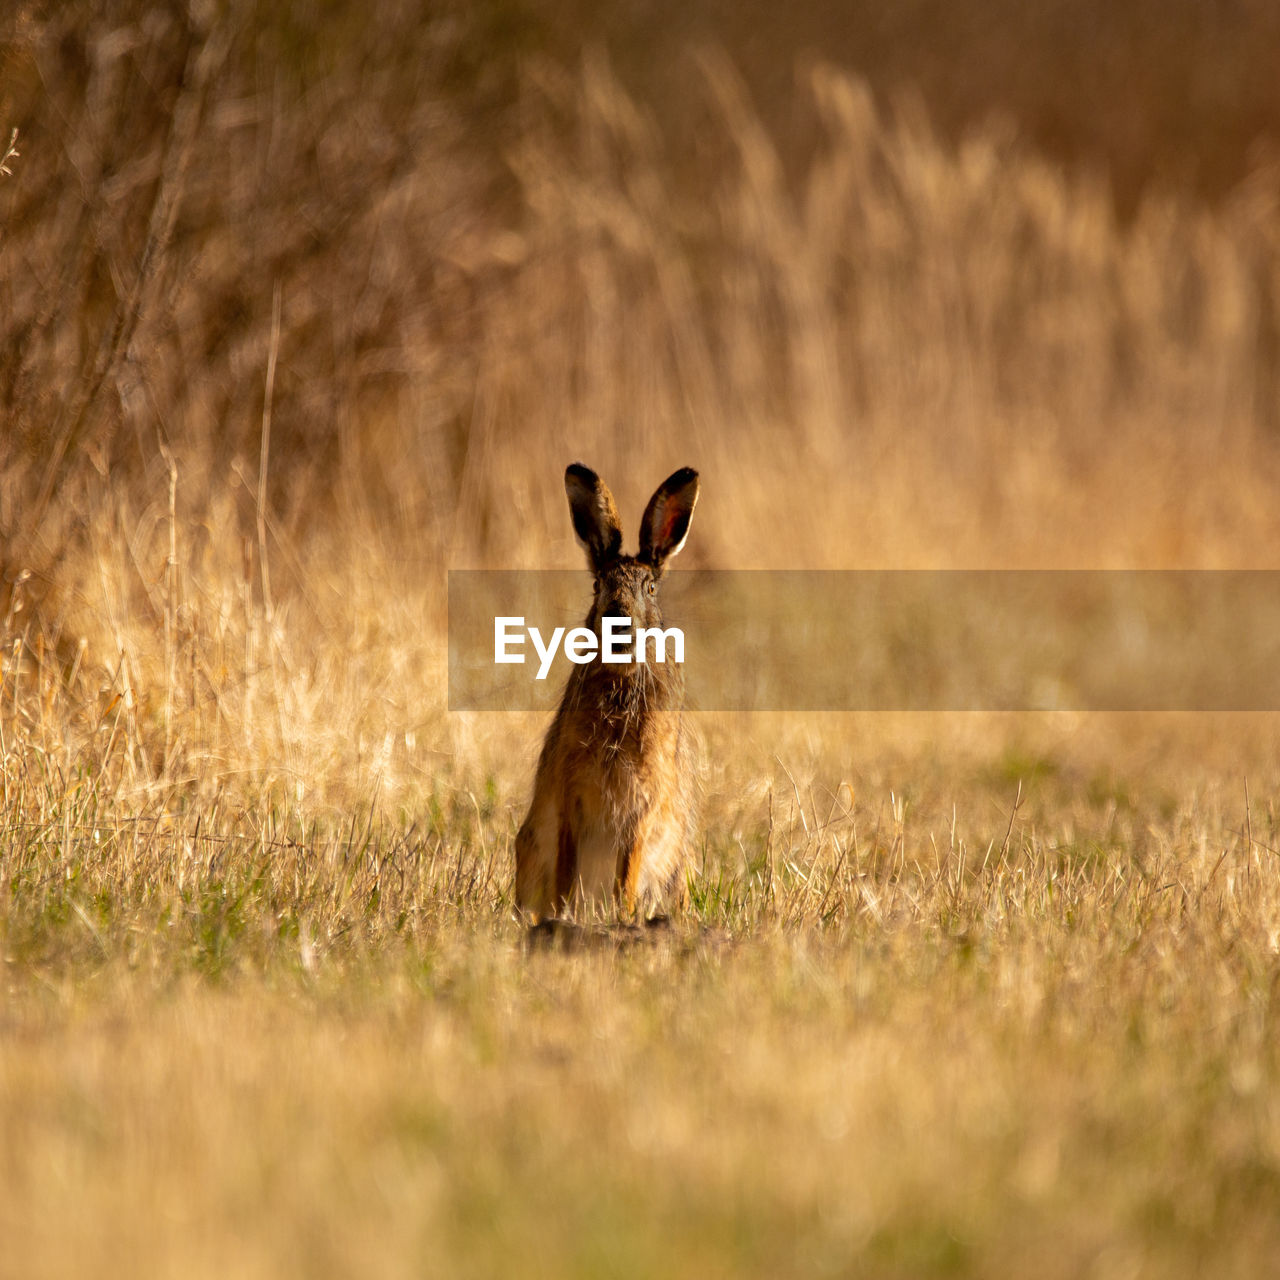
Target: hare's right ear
{"x":665,"y":524}
{"x":595,"y":518}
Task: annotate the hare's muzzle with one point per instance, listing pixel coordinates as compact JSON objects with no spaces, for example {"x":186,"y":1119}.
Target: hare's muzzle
{"x":618,"y":609}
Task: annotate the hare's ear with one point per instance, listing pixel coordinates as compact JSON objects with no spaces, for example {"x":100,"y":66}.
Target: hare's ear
{"x":595,"y":518}
{"x":666,"y":519}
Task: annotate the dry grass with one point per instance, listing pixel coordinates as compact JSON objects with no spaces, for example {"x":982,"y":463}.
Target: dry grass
{"x":978,"y":995}
{"x":890,"y":1038}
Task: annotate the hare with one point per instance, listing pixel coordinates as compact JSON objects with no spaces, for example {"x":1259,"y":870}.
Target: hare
{"x":612,"y":807}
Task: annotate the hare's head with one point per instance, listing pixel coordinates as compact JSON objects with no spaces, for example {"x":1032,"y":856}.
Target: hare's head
{"x":627,"y":586}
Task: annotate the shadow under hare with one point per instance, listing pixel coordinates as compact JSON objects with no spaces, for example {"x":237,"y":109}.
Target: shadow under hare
{"x":612,"y":811}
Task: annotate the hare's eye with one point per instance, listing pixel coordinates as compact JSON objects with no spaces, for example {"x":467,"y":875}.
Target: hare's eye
{"x":651,"y":587}
{"x":595,"y":585}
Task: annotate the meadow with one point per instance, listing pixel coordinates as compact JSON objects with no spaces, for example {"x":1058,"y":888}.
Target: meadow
{"x":301,"y":307}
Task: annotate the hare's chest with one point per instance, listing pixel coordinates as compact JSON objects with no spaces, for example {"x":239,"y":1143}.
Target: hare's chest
{"x":612,"y":791}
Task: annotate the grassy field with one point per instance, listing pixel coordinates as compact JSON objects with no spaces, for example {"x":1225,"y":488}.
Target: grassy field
{"x":301,"y":307}
{"x":975,"y":1016}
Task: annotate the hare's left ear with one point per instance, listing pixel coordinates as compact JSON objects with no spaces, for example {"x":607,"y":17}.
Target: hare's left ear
{"x":666,"y":519}
{"x":595,"y":517}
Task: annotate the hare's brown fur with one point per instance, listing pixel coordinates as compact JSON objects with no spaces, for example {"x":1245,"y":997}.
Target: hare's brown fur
{"x":612,"y":809}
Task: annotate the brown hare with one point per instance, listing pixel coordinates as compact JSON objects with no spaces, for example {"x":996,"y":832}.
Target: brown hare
{"x":612,"y":807}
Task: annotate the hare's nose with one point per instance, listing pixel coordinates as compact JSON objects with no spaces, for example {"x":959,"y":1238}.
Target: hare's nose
{"x":618,"y":608}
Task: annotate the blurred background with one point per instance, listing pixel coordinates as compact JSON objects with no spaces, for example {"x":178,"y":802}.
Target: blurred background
{"x":302,"y":304}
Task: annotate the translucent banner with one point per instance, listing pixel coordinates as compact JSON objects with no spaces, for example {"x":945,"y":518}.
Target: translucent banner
{"x":894,"y":640}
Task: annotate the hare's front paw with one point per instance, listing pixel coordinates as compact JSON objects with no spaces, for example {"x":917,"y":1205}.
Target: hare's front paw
{"x":553,"y":932}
